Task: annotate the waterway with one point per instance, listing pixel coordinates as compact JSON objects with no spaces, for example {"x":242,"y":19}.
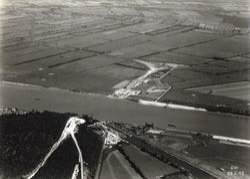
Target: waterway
{"x":103,"y":108}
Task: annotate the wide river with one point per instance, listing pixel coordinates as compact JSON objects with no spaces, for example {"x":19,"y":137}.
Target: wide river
{"x":104,"y":108}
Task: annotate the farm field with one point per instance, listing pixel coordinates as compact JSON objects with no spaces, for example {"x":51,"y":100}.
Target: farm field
{"x":92,"y":47}
{"x":179,"y":69}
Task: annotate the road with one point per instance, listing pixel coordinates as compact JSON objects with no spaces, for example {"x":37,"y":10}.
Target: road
{"x":106,"y":109}
{"x":69,"y":130}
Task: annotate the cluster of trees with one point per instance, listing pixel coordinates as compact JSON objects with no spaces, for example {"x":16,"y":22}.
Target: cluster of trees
{"x":25,"y":138}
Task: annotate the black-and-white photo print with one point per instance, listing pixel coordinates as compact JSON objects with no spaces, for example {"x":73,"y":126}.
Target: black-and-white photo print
{"x":124,"y":89}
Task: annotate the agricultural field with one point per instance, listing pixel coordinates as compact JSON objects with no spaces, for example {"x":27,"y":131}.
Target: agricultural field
{"x":211,"y":154}
{"x":149,"y":166}
{"x":116,"y":166}
{"x":92,"y":47}
{"x":177,"y":68}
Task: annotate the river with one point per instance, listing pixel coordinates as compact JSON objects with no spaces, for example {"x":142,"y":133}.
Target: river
{"x":103,"y":108}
